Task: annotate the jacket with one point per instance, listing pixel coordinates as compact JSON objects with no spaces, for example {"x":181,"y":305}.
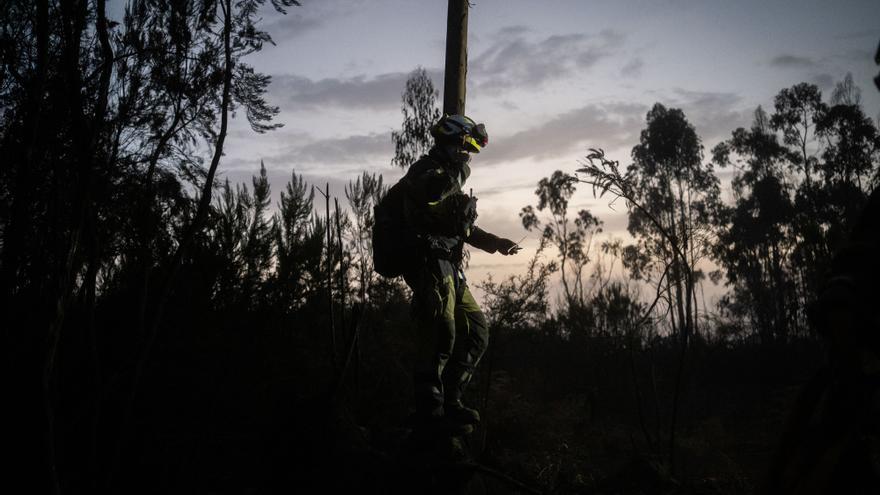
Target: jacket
{"x":424,"y":204}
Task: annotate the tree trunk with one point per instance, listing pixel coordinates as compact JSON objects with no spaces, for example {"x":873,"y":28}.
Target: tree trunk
{"x":182,"y":248}
{"x":454,"y":87}
{"x":86,"y":136}
{"x":329,"y":274}
{"x":13,"y":234}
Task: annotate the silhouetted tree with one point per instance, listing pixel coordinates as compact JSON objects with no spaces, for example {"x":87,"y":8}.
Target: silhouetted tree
{"x":851,"y":145}
{"x":103,"y":130}
{"x":298,"y":244}
{"x":420,"y":112}
{"x":572,"y":239}
{"x":796,"y":110}
{"x":756,"y":235}
{"x":848,"y":168}
{"x":794,"y":202}
{"x":679,"y":197}
{"x":363,"y":195}
{"x":240,"y":239}
{"x":57,"y":65}
{"x":672,"y":199}
{"x":616,"y":309}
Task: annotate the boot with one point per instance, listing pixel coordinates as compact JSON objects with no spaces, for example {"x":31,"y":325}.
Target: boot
{"x":457,"y":379}
{"x":428,"y":398}
{"x":458,"y":413}
{"x":453,"y":449}
{"x":432,"y":447}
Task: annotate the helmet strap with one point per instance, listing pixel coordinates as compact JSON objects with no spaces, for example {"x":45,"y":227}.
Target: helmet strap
{"x":455,"y":154}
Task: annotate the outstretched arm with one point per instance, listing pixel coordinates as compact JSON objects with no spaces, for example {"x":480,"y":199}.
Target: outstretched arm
{"x":491,"y":243}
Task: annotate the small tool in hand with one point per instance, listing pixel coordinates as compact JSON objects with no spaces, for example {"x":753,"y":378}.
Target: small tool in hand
{"x":516,"y":247}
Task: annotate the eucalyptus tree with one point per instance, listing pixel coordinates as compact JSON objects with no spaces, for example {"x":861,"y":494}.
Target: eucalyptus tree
{"x":796,"y":111}
{"x":852,"y":143}
{"x":849,"y":167}
{"x":679,"y":197}
{"x":673,"y":201}
{"x":420,"y":112}
{"x":756,"y":237}
{"x":572,"y":238}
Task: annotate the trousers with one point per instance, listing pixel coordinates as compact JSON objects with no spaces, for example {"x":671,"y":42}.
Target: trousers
{"x":451,"y":334}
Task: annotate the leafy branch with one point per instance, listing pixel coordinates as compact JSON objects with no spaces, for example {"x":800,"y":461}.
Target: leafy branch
{"x":603,"y":174}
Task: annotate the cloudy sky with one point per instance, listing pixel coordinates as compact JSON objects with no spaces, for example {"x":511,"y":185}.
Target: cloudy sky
{"x":548,"y":78}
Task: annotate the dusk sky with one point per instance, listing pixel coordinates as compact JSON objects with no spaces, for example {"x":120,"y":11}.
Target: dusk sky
{"x":549,"y":79}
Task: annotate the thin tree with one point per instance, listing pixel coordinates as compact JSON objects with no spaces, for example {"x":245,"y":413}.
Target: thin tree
{"x":420,"y":112}
{"x":238,"y":36}
{"x":671,"y":198}
{"x":756,"y":234}
{"x":572,"y":238}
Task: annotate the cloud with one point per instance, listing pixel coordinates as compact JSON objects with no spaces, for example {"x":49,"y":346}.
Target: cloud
{"x":786,"y":61}
{"x":303,"y":150}
{"x":513,"y":60}
{"x":505,"y":188}
{"x":310,"y":17}
{"x":714,"y":114}
{"x":350,"y":149}
{"x":292,"y":25}
{"x":509,"y":105}
{"x":607,"y":126}
{"x":633,"y":68}
{"x":381,"y":92}
{"x":510,"y":61}
{"x":707,"y":100}
{"x":857,"y":35}
{"x":858,"y":55}
{"x":508,"y":32}
{"x":500,"y":220}
{"x":824,"y":81}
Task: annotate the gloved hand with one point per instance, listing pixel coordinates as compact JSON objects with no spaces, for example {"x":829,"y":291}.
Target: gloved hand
{"x":507,"y":247}
{"x":441,"y":247}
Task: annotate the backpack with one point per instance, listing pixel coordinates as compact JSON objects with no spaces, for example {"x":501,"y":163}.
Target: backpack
{"x":399,"y":247}
{"x":395,"y":247}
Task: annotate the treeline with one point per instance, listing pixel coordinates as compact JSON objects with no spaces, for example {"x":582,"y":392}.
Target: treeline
{"x":122,"y":256}
{"x":112,"y":133}
{"x":644,"y":347}
{"x":800,"y":176}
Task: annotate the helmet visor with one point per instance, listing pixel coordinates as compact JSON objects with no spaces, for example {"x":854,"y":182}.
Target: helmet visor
{"x":471,"y":145}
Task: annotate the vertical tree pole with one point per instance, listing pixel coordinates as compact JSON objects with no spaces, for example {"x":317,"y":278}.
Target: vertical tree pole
{"x":343,"y":283}
{"x":454,"y":90}
{"x":330,"y":277}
